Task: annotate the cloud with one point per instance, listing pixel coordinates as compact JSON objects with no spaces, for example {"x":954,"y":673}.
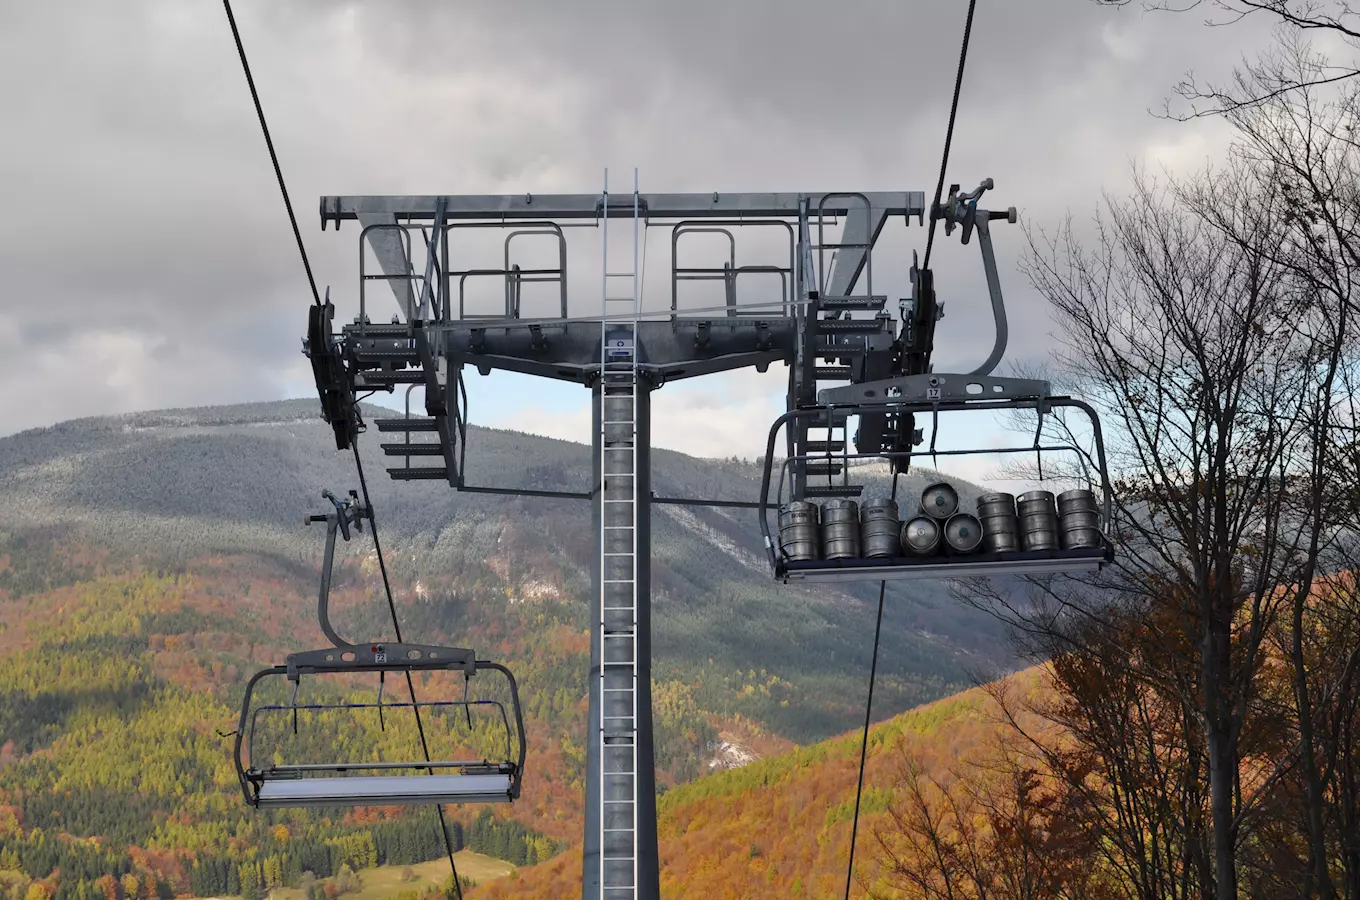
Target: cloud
{"x":144,"y":229}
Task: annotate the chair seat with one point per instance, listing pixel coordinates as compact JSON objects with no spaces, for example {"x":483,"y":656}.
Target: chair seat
{"x":384,"y":790}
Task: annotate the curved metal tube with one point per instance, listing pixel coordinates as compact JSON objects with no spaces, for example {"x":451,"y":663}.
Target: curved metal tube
{"x":519,"y":721}
{"x":998,"y":302}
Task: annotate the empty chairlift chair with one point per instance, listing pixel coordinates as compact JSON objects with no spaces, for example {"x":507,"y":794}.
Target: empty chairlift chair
{"x":379,"y":783}
{"x":267,"y":782}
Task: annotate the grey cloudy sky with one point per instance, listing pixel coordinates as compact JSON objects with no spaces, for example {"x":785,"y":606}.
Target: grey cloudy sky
{"x":147,"y":260}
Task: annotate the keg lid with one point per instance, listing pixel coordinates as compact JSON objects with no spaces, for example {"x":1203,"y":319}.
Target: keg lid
{"x":1036,"y":496}
{"x":1077,"y":494}
{"x":921,"y":531}
{"x":939,"y":499}
{"x":995,"y":497}
{"x":880,"y":503}
{"x":963,"y":532}
{"x":840,"y":503}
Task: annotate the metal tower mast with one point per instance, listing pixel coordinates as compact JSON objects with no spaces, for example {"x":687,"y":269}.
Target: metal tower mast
{"x":818,"y":325}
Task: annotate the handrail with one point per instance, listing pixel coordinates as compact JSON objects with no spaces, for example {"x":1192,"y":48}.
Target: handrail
{"x":686,"y":226}
{"x":549,"y":228}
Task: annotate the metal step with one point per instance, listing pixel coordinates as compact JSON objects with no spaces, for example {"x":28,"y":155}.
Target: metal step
{"x":387,"y":353}
{"x":840,"y":373}
{"x":413,"y":449}
{"x":411,"y":424}
{"x":822,"y":468}
{"x":859,"y":301}
{"x":851,"y":326}
{"x":419,"y":473}
{"x":399,"y":376}
{"x":823,"y":446}
{"x":835,"y":490}
{"x":381,"y":330}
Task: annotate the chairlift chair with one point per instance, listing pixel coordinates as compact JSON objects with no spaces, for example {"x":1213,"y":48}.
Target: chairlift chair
{"x":890,"y":388}
{"x":776,"y":492}
{"x":376,"y":783}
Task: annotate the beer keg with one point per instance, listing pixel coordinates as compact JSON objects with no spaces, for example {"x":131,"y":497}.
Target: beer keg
{"x":962,"y":533}
{"x":840,"y":529}
{"x":1078,"y":520}
{"x":799,"y":534}
{"x":939,"y":501}
{"x":1038,"y":520}
{"x":1000,"y":523}
{"x":921,"y":536}
{"x":880,"y":528}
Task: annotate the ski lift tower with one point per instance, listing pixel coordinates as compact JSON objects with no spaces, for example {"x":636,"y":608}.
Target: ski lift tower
{"x":826,"y":324}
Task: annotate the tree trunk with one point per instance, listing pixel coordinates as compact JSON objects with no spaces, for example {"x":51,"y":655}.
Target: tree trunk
{"x":1222,"y":759}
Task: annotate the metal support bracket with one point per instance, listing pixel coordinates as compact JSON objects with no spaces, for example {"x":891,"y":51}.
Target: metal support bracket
{"x":764,"y":340}
{"x":932,"y":388}
{"x":536,"y":339}
{"x":381,"y":657}
{"x":701,"y":334}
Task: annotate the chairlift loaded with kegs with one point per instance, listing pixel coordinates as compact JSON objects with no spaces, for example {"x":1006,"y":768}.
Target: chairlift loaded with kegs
{"x":848,"y":537}
{"x":375,"y":783}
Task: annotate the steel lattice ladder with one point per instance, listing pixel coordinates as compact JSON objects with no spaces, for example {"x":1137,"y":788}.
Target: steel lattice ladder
{"x":616,"y":729}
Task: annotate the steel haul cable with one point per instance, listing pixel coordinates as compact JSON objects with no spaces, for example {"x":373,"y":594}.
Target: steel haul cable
{"x":358,"y":462}
{"x":868,"y":712}
{"x":949,"y":131}
{"x":883,"y":586}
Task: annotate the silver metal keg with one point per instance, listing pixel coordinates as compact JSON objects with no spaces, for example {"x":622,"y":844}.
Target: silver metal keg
{"x":840,"y":529}
{"x":921,"y":536}
{"x":880,"y":528}
{"x":1078,"y":520}
{"x":939,"y":500}
{"x":963,"y":533}
{"x":799,"y":533}
{"x":1038,"y":515}
{"x":1000,"y":523}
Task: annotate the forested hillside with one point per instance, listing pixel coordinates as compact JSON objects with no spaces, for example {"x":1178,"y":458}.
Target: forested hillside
{"x":151,"y":562}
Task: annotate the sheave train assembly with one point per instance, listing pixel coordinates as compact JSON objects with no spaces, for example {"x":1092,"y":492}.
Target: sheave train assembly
{"x":853,"y":360}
